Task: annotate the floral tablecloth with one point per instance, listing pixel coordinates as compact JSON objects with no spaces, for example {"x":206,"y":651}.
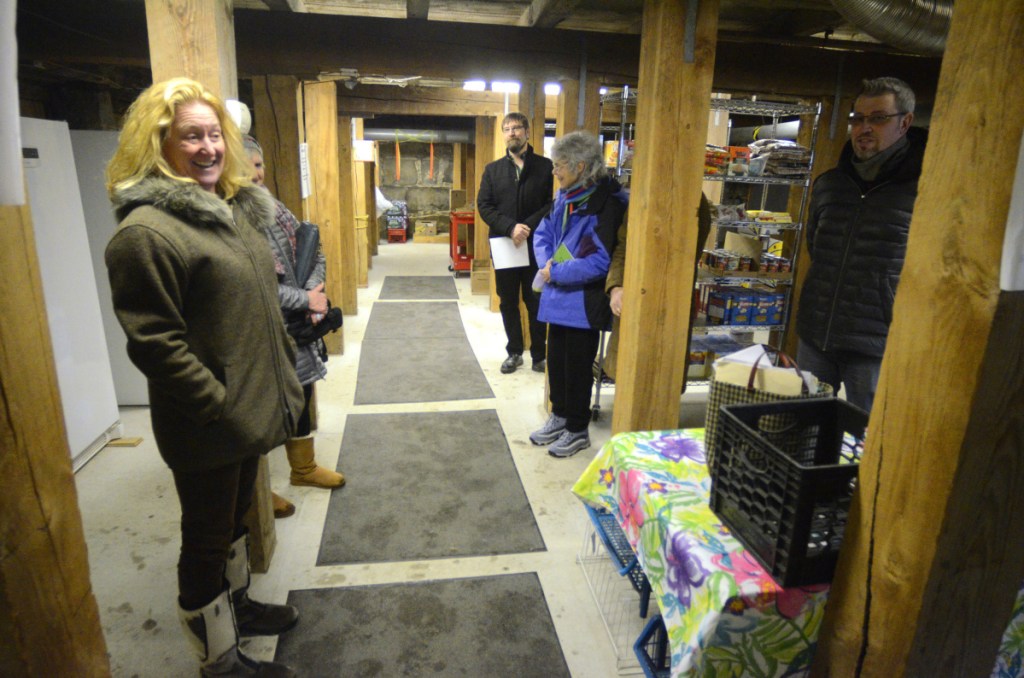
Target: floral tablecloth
{"x":725,"y":616}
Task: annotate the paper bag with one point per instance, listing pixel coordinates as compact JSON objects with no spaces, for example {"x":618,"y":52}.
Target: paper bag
{"x":777,"y":383}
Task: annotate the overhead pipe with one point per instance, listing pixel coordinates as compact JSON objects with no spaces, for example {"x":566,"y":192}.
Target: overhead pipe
{"x":425,"y":136}
{"x":915,"y":25}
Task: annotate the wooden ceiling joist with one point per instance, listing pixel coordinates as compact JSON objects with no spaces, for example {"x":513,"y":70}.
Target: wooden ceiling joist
{"x":286,"y":5}
{"x":547,"y":13}
{"x":417,"y":9}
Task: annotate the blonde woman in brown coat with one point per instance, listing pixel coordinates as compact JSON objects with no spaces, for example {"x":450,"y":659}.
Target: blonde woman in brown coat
{"x":194,"y":289}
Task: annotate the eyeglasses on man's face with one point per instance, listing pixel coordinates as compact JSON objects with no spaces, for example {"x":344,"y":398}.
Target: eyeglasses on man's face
{"x":875,"y":119}
{"x":515,"y":129}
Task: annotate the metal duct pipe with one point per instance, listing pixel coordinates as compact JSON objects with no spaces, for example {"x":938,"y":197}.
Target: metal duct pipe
{"x":915,"y":25}
{"x":421,"y":135}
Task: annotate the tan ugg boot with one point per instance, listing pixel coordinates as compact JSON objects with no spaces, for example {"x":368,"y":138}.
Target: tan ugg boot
{"x":304,"y":468}
{"x":282,"y":507}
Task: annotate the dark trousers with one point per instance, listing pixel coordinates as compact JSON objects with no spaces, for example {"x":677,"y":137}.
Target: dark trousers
{"x":213,"y":504}
{"x":305,"y":425}
{"x":857,"y":372}
{"x":571,"y":354}
{"x":509,"y":283}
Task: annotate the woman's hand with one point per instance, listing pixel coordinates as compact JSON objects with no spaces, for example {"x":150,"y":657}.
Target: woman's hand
{"x":616,"y":300}
{"x":546,"y":271}
{"x":317,"y":299}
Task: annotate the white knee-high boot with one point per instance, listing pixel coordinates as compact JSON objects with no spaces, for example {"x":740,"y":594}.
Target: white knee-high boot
{"x":254,"y":618}
{"x":211,"y":631}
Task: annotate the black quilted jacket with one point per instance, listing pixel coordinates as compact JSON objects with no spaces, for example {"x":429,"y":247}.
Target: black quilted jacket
{"x":857,"y":238}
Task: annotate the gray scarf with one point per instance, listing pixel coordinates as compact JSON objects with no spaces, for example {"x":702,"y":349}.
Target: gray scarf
{"x":868,"y":169}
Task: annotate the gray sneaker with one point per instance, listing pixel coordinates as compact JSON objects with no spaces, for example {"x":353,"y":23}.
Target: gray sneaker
{"x":549,"y":432}
{"x":569,"y":443}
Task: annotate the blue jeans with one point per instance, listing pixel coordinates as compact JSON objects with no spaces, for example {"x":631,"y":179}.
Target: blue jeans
{"x":858,"y":372}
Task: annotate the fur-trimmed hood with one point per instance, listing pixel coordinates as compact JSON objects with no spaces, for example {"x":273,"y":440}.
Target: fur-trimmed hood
{"x":192,"y":204}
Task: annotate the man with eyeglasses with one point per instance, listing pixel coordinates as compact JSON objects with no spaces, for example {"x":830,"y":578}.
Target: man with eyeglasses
{"x":515,"y":194}
{"x":857,"y":228}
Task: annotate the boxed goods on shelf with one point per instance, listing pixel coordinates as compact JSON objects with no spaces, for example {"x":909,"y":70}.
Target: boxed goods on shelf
{"x":740,"y":306}
{"x":716,"y":159}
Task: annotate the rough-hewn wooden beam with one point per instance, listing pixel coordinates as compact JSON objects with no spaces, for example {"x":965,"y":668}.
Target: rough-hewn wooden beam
{"x":303,"y":45}
{"x":347,"y":205}
{"x":417,"y":9}
{"x":322,"y":207}
{"x":277,"y":117}
{"x":367,"y":100}
{"x":656,"y":310}
{"x":485,"y":143}
{"x":932,"y":558}
{"x":194,"y":39}
{"x":48,"y":613}
{"x":547,"y":13}
{"x":286,"y":5}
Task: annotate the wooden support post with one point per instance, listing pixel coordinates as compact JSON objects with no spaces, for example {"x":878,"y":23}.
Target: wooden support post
{"x":48,"y":613}
{"x":485,"y":142}
{"x":826,"y":156}
{"x":932,"y":558}
{"x":323,"y":206}
{"x":567,"y":107}
{"x":656,"y":310}
{"x":533,"y":107}
{"x":592,"y":108}
{"x":365,"y":215}
{"x":458,"y":167}
{"x":196,"y":40}
{"x":718,"y":134}
{"x":346,"y":202}
{"x":260,"y":523}
{"x":472,"y":179}
{"x":277,"y":119}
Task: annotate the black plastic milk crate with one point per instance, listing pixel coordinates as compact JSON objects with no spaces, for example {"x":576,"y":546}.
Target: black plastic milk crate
{"x":782,"y":482}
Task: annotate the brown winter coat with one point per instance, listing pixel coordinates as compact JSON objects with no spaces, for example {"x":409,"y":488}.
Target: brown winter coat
{"x":617,"y":276}
{"x":194,"y":288}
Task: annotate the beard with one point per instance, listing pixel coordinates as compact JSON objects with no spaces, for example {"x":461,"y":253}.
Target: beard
{"x":515,"y":146}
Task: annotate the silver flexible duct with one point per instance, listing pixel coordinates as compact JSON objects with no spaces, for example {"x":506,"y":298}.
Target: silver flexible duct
{"x":915,"y":25}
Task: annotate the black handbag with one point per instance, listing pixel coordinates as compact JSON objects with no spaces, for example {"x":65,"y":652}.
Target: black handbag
{"x":300,"y":327}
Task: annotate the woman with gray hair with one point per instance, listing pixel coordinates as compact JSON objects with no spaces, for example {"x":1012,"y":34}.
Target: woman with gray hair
{"x":297,"y":297}
{"x":574,"y":245}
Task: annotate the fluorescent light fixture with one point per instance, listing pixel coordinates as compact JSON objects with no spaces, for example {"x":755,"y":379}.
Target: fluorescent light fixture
{"x":552,"y":88}
{"x":602,"y":91}
{"x":506,"y":87}
{"x":474,"y":85}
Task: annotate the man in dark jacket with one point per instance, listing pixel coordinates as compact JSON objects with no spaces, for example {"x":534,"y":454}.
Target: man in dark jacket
{"x":515,"y":194}
{"x":857,"y":231}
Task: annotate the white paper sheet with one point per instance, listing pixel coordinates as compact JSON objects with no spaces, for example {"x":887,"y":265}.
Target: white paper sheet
{"x":505,"y":254}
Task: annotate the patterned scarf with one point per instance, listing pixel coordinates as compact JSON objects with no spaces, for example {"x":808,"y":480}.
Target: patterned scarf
{"x":287,"y":222}
{"x":575,"y":197}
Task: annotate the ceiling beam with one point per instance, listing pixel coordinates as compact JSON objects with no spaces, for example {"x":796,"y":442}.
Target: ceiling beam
{"x":417,"y":9}
{"x":286,"y":5}
{"x":546,"y":13}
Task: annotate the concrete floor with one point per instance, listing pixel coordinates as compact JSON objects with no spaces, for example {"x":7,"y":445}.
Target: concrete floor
{"x":130,"y":511}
